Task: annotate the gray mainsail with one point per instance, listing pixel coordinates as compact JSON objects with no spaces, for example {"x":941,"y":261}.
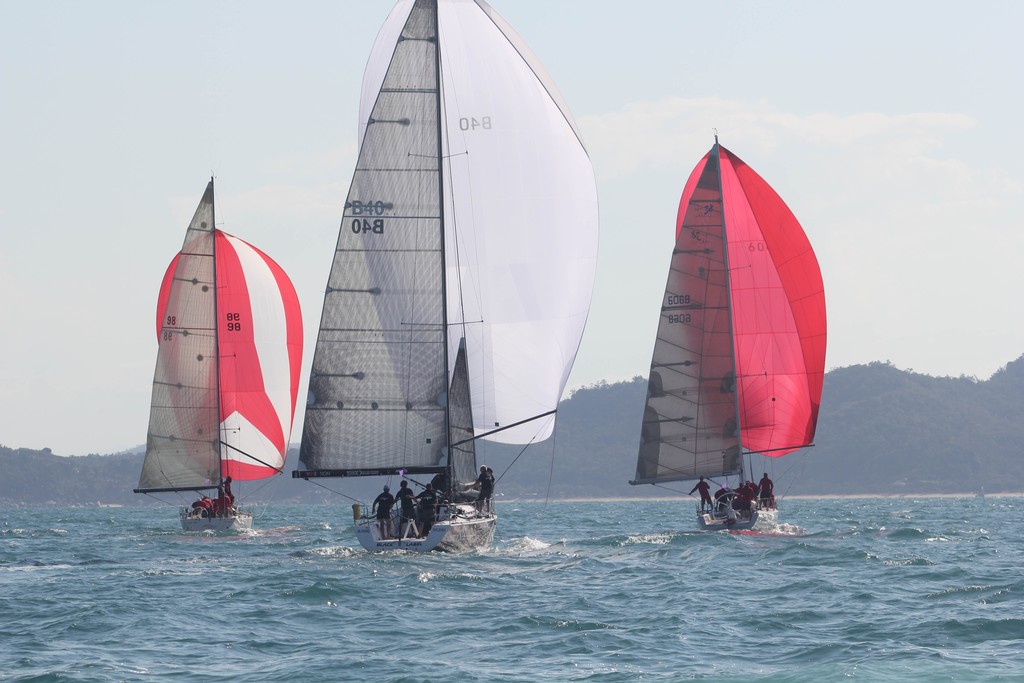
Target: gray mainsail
{"x":183,"y":442}
{"x":377,"y":390}
{"x":689,"y":426}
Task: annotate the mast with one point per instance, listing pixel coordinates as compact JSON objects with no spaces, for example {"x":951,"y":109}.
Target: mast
{"x":728,"y":298}
{"x":449,"y":471}
{"x":216,"y":337}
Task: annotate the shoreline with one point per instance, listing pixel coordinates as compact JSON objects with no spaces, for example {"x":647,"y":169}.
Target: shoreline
{"x":844,"y":496}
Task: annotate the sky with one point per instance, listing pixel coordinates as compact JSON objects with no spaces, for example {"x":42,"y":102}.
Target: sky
{"x":892,"y":131}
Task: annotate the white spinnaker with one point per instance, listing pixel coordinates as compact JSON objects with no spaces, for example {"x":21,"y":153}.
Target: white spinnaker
{"x":270,"y":336}
{"x":521,"y":215}
{"x":521,"y":225}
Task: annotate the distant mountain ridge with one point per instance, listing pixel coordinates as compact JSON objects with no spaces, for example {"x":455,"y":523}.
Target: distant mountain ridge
{"x":881,"y":431}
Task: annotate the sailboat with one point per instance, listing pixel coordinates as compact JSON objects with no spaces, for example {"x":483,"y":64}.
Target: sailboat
{"x":463,"y":272}
{"x":227,"y":373}
{"x":739,"y":358}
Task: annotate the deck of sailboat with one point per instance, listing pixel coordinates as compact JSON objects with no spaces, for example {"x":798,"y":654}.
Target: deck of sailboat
{"x":458,"y":528}
{"x":239,"y":520}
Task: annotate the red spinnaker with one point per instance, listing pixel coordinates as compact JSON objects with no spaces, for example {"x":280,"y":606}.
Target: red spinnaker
{"x":778,"y":309}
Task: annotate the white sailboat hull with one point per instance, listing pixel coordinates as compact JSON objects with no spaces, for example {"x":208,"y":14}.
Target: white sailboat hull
{"x":742,"y":520}
{"x":459,"y":528}
{"x":237,"y":520}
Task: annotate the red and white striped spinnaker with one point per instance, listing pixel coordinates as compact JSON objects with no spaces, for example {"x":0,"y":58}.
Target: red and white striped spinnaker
{"x":227,"y":375}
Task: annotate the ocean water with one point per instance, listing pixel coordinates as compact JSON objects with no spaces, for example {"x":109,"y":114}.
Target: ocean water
{"x":909,"y":589}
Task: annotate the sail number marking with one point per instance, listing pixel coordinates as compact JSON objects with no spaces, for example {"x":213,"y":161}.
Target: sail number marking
{"x":234,"y":322}
{"x":678,"y":300}
{"x":169,"y":321}
{"x":370,"y":209}
{"x":472,"y":123}
{"x":363,"y":225}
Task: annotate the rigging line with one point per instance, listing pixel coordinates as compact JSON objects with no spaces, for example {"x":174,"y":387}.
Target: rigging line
{"x":165,"y":502}
{"x":514,"y":460}
{"x":667,"y":488}
{"x":802,"y":464}
{"x":314,"y":481}
{"x":216,"y":331}
{"x":551,"y":473}
{"x":279,"y":470}
{"x":439,"y":142}
{"x":501,"y":429}
{"x":780,"y":448}
{"x":686,"y":475}
{"x":263,"y":484}
{"x":430,"y":156}
{"x":266,"y":505}
{"x":446,"y":160}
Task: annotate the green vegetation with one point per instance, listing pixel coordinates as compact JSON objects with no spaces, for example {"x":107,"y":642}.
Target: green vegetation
{"x":881,"y":431}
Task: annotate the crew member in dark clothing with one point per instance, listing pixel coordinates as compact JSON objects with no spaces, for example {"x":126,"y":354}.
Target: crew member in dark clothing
{"x":485,"y":482}
{"x":382,"y":505}
{"x":705,"y":494}
{"x":407,"y":499}
{"x":427,"y":500}
{"x":225,"y":499}
{"x":744,"y":496}
{"x":440,"y":483}
{"x":767,"y":491}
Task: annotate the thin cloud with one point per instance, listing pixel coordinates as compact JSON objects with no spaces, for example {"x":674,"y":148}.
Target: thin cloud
{"x":642,"y":135}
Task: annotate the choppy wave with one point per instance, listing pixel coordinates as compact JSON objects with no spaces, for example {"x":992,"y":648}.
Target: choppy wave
{"x":901,"y":590}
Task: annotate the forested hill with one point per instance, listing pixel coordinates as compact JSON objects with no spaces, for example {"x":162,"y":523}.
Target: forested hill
{"x":881,"y":431}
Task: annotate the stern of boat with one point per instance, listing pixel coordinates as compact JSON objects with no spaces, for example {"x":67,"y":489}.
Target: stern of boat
{"x":458,"y":528}
{"x":238,"y":519}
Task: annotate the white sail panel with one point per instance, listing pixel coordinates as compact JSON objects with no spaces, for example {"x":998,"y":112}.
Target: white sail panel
{"x":377,"y":65}
{"x":271,"y":381}
{"x":521,"y":217}
{"x":182,"y":445}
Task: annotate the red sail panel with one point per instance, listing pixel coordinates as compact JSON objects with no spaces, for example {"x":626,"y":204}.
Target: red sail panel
{"x":165,"y":296}
{"x":778,"y":312}
{"x":260,"y":338}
